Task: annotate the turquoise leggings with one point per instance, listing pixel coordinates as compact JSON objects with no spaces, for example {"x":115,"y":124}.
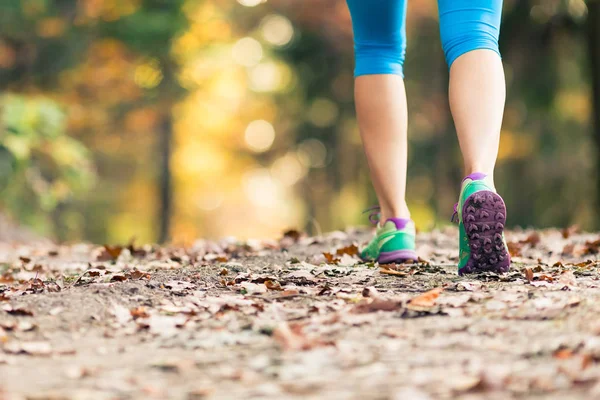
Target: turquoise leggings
{"x":380,"y":31}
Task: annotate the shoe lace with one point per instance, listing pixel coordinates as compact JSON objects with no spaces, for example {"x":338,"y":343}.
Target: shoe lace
{"x":374,"y":214}
{"x":455,"y":214}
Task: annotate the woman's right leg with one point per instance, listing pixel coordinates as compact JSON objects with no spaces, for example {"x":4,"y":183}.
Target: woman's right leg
{"x":380,"y":44}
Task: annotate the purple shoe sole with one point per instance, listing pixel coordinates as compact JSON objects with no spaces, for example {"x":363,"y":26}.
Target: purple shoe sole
{"x":397,"y":256}
{"x":484,"y":217}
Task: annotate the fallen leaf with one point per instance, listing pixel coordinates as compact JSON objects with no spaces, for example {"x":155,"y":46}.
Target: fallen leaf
{"x":528,"y":274}
{"x":292,"y":338}
{"x":571,"y":230}
{"x":591,"y":247}
{"x":567,"y":279}
{"x":139,"y":312}
{"x":387,"y":271}
{"x":377,"y":304}
{"x":568,"y":249}
{"x":118,"y":278}
{"x":253,"y":288}
{"x":351,"y":250}
{"x":563,"y":354}
{"x":137,"y":275}
{"x":533,"y":239}
{"x":292,"y":233}
{"x":17,"y":311}
{"x":273,"y":285}
{"x":468,"y":286}
{"x":370,"y":292}
{"x":109,"y":253}
{"x":514,"y":248}
{"x":31,"y":348}
{"x":179,"y":286}
{"x":426,"y":299}
{"x":121,"y":313}
{"x":330,"y":258}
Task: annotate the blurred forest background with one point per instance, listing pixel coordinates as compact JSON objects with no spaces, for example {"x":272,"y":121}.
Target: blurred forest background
{"x":179,"y":119}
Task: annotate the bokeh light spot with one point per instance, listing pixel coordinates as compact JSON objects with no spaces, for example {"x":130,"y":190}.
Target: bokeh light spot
{"x":288,"y":169}
{"x":277,"y":30}
{"x":251,"y":3}
{"x":247,"y":52}
{"x":312,"y":153}
{"x":259,"y":135}
{"x":261,"y":189}
{"x":323,"y":113}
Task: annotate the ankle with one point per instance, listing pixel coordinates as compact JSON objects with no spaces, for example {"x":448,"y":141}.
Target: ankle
{"x":401,"y":212}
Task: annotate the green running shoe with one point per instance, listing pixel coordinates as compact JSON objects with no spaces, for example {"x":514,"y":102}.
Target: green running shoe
{"x":481,"y":219}
{"x":394,"y":241}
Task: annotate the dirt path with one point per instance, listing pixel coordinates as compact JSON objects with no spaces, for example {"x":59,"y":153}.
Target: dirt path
{"x":284,"y":320}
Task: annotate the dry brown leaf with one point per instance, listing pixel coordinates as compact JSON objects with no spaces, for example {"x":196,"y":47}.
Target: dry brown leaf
{"x":351,"y":250}
{"x":110,"y":253}
{"x":17,"y":311}
{"x":331,"y":259}
{"x":291,"y":337}
{"x":377,"y":304}
{"x":118,"y":278}
{"x":139,"y":312}
{"x":137,"y":275}
{"x":592,"y":247}
{"x":387,"y":271}
{"x":563,"y":354}
{"x":370,"y":292}
{"x":533,"y":239}
{"x":426,"y":299}
{"x":568,"y":249}
{"x":528,"y":274}
{"x":567,"y":279}
{"x":571,"y":230}
{"x":469,"y":286}
{"x":31,"y":348}
{"x":514,"y":248}
{"x":273,"y":285}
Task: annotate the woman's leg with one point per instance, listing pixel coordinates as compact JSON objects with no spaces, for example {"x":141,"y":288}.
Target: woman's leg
{"x":380,"y":44}
{"x":469,"y":31}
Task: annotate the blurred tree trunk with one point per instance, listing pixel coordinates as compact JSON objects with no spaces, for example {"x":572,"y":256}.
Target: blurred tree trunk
{"x":164,"y":180}
{"x":593,"y":38}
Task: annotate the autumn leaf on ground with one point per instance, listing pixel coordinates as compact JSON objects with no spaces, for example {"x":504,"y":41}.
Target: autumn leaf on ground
{"x":351,"y":250}
{"x":567,"y":279}
{"x":533,"y":239}
{"x":426,"y":299}
{"x":273,"y":285}
{"x":290,"y":237}
{"x":377,"y":304}
{"x":109,"y":253}
{"x":118,"y":278}
{"x":388,"y":271}
{"x":17,"y":311}
{"x":514,"y":248}
{"x":571,"y":230}
{"x":139,"y":312}
{"x":591,"y":247}
{"x":292,"y":337}
{"x":136,"y":252}
{"x":136,"y":275}
{"x":528,"y":274}
{"x":331,"y":259}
